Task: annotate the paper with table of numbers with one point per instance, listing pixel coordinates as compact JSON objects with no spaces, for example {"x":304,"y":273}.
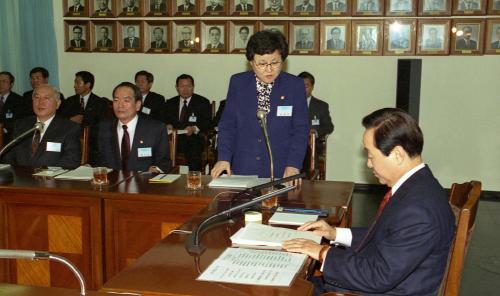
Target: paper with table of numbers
{"x":254,"y":267}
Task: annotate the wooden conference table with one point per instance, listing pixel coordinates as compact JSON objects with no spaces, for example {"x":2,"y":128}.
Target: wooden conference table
{"x":104,"y":230}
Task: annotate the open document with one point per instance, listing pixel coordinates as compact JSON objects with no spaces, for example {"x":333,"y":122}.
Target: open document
{"x":254,"y":267}
{"x":237,"y":181}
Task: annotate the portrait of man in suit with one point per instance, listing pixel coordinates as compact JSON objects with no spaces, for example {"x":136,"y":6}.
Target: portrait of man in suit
{"x":78,"y":41}
{"x":131,"y":40}
{"x":184,"y":35}
{"x":158,"y":38}
{"x":400,"y":5}
{"x":104,"y":39}
{"x":468,"y":40}
{"x":214,"y":5}
{"x":433,"y":37}
{"x":496,"y":4}
{"x":244,"y":5}
{"x":304,"y":5}
{"x":335,"y":38}
{"x":274,"y":6}
{"x":469,"y":5}
{"x":241,"y":36}
{"x":434,"y":5}
{"x":399,"y":37}
{"x":304,"y":37}
{"x":214,"y":37}
{"x":495,"y":40}
{"x":368,"y":6}
{"x":158,"y":6}
{"x":130,"y":6}
{"x":102,"y":6}
{"x":185,"y":5}
{"x":76,"y":7}
{"x":336,"y":5}
{"x":366,"y":38}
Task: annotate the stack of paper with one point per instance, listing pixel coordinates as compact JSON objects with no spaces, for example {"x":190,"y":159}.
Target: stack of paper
{"x":237,"y":181}
{"x":164,"y":178}
{"x":82,"y":173}
{"x":291,"y":218}
{"x":51,"y":172}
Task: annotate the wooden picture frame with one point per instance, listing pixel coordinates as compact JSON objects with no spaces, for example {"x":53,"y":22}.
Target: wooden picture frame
{"x":130,"y":36}
{"x":467,"y":37}
{"x":401,"y":7}
{"x":76,"y":8}
{"x":103,"y":36}
{"x":214,"y":7}
{"x":304,"y":38}
{"x":274,"y":7}
{"x":214,"y":37}
{"x":434,"y":7}
{"x":158,"y":8}
{"x":186,"y":8}
{"x":243,"y":7}
{"x":77,"y":36}
{"x":185,"y":36}
{"x":400,"y":37}
{"x":239,"y":33}
{"x":102,"y":8}
{"x":433,"y":37}
{"x":157,"y":36}
{"x":492,"y":44}
{"x":336,"y":7}
{"x":130,"y":8}
{"x":335,"y":37}
{"x":368,"y":8}
{"x":305,"y":8}
{"x":367,"y":37}
{"x":494,"y":7}
{"x":469,"y":7}
{"x":281,"y":26}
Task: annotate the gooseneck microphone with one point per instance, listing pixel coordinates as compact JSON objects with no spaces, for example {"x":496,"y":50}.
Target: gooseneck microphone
{"x":261,"y":115}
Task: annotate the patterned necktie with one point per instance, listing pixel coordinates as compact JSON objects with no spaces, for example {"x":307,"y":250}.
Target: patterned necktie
{"x":381,"y":207}
{"x":36,"y":140}
{"x":82,"y":104}
{"x":183,"y":112}
{"x":125,"y":148}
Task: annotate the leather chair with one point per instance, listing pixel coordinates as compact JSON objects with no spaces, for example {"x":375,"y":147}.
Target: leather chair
{"x":316,"y":161}
{"x":84,"y":142}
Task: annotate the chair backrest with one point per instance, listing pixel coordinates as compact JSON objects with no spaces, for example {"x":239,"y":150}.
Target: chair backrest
{"x":312,"y":171}
{"x":172,"y":146}
{"x":214,"y":108}
{"x":84,"y":142}
{"x":321,"y":158}
{"x":464,"y":198}
{"x":1,"y":135}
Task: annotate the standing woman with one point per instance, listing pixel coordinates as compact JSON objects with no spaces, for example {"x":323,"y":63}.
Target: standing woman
{"x":241,"y":143}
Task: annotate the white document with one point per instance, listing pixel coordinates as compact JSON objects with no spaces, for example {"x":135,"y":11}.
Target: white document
{"x":259,"y":235}
{"x":51,"y":172}
{"x":164,"y":178}
{"x":254,"y":267}
{"x":237,"y":181}
{"x":4,"y":166}
{"x":82,"y":173}
{"x":291,"y":218}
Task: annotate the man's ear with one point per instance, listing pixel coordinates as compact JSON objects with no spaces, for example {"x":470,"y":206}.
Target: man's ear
{"x":398,"y":154}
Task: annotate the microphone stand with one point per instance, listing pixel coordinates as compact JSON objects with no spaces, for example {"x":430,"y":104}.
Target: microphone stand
{"x":261,"y":115}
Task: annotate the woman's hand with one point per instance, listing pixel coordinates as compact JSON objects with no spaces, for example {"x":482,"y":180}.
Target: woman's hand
{"x":320,"y":228}
{"x":290,"y":171}
{"x":219,"y":167}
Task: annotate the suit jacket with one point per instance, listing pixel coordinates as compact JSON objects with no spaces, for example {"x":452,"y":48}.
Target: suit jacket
{"x":308,"y":45}
{"x":149,"y":134}
{"x":340,"y":7}
{"x":463,"y":6}
{"x":82,"y":43}
{"x":190,"y":7}
{"x":13,"y":109}
{"x":461,"y":44}
{"x":135,"y":9}
{"x":406,"y":251}
{"x":72,"y":8}
{"x":319,"y":110}
{"x":241,"y":140}
{"x":239,"y":7}
{"x":218,"y":114}
{"x":104,"y":43}
{"x":61,"y":131}
{"x":218,"y":7}
{"x":154,"y":106}
{"x":103,"y":11}
{"x":198,"y":106}
{"x":219,"y":46}
{"x":270,"y":9}
{"x":163,"y":44}
{"x":309,"y":7}
{"x":183,"y":45}
{"x":340,"y":44}
{"x":495,"y":44}
{"x":135,"y":42}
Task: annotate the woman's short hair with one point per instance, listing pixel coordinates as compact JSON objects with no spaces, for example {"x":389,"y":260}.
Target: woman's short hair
{"x":266,"y":42}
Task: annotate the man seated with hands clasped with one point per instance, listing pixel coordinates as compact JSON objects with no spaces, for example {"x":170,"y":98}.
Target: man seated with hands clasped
{"x":405,"y":250}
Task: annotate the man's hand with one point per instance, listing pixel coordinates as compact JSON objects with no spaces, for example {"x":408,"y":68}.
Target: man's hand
{"x":219,"y":167}
{"x":190,"y":130}
{"x":290,"y":171}
{"x":304,"y":246}
{"x":77,"y":118}
{"x":320,"y":228}
{"x":154,"y":169}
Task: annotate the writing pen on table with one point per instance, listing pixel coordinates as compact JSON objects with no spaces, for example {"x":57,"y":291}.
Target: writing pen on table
{"x":303,"y":211}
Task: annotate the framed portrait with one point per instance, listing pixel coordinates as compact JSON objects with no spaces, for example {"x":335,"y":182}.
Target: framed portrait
{"x":131,"y":36}
{"x":336,"y":7}
{"x":104,"y":36}
{"x":467,"y":37}
{"x":494,"y":7}
{"x":433,"y":37}
{"x":279,"y":26}
{"x":304,"y":37}
{"x":214,"y":37}
{"x":102,"y":8}
{"x":274,"y":7}
{"x":129,"y":8}
{"x":214,"y":7}
{"x":401,"y":7}
{"x":492,"y":37}
{"x":77,"y":36}
{"x":243,"y":7}
{"x":305,"y":7}
{"x":76,"y":8}
{"x":239,"y":33}
{"x":434,"y":7}
{"x":158,"y":7}
{"x":469,"y":7}
{"x":400,"y":36}
{"x":335,"y":37}
{"x":186,"y":36}
{"x":186,"y":7}
{"x":367,"y":36}
{"x":157,"y":37}
{"x":368,"y":8}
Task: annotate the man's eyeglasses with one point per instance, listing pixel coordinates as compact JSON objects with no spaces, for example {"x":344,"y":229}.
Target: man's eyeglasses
{"x":271,"y":65}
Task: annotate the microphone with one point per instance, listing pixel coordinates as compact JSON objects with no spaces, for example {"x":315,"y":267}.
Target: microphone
{"x":261,"y":115}
{"x":38,"y":255}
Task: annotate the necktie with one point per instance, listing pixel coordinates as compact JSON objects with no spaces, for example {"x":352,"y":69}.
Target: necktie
{"x":183,"y":112}
{"x":36,"y":141}
{"x":381,"y":207}
{"x":131,"y":41}
{"x":1,"y":103}
{"x":125,"y":148}
{"x":82,"y":104}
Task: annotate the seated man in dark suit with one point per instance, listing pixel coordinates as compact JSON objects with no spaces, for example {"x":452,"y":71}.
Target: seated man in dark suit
{"x":187,"y":6}
{"x":76,"y":7}
{"x":192,"y":113}
{"x":244,"y":6}
{"x":131,"y":141}
{"x":77,"y":40}
{"x":153,"y":104}
{"x":86,"y":109}
{"x":12,"y":105}
{"x":38,"y":76}
{"x":56,"y":144}
{"x":405,"y":251}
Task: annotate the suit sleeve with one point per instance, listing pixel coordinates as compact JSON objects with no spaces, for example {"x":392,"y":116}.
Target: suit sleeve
{"x":228,"y":125}
{"x":72,"y":153}
{"x":325,"y":121}
{"x":103,"y":143}
{"x":171,"y":113}
{"x":162,"y":152}
{"x":204,"y":115}
{"x":300,"y":128}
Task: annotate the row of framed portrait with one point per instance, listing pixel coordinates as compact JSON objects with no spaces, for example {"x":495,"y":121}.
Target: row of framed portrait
{"x":329,"y":37}
{"x":301,"y":8}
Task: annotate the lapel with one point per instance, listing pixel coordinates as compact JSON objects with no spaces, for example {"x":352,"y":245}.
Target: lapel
{"x":137,"y":138}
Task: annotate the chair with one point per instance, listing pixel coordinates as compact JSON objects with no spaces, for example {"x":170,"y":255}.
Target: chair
{"x":172,"y":145}
{"x":316,"y":162}
{"x":1,"y":135}
{"x":84,"y":142}
{"x":321,"y":158}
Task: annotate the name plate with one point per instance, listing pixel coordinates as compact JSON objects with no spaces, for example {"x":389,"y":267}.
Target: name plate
{"x":399,"y":51}
{"x":185,"y":13}
{"x":334,"y":51}
{"x":158,"y":14}
{"x":186,"y":50}
{"x":303,"y":51}
{"x":466,"y":51}
{"x":335,"y":12}
{"x":304,"y":13}
{"x":130,"y":14}
{"x":434,"y":12}
{"x":274,"y":13}
{"x":369,"y":13}
{"x":399,"y":12}
{"x":367,"y":52}
{"x":131,"y":49}
{"x":102,"y":14}
{"x":77,"y":48}
{"x":214,"y":13}
{"x":76,"y":13}
{"x":103,"y":49}
{"x":469,"y":11}
{"x":214,"y":50}
{"x":244,"y":51}
{"x":244,"y":13}
{"x":497,"y":51}
{"x":158,"y":50}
